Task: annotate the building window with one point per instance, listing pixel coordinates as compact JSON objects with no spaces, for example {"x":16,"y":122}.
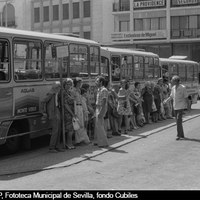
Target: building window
{"x":162,"y":23}
{"x":150,"y":24}
{"x":55,"y":12}
{"x":8,"y":15}
{"x":124,"y":26}
{"x":76,"y":13}
{"x":46,"y":13}
{"x":86,"y":9}
{"x":87,"y":35}
{"x":185,"y":26}
{"x":36,"y":15}
{"x":155,"y":24}
{"x":184,"y":22}
{"x":66,"y":11}
{"x":146,"y":24}
{"x":193,"y":21}
{"x":138,"y":25}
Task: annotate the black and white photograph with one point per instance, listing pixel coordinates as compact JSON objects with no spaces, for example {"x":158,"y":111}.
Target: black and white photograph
{"x":99,"y":99}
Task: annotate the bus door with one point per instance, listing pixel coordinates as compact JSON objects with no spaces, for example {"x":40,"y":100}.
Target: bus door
{"x":6,"y":91}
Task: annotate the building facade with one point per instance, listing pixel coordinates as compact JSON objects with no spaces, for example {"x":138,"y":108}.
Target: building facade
{"x":90,"y":19}
{"x":165,"y":27}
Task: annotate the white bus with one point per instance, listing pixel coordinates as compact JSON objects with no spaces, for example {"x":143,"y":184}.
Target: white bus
{"x":28,"y":67}
{"x":187,"y":70}
{"x":134,"y":65}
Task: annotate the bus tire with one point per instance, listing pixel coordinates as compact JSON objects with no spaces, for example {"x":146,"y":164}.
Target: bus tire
{"x":12,"y":144}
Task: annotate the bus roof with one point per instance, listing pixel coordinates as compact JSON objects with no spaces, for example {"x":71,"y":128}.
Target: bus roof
{"x":128,"y":51}
{"x":169,"y":60}
{"x":17,"y":32}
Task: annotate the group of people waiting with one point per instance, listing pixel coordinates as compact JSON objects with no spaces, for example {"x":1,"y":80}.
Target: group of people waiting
{"x":119,"y":111}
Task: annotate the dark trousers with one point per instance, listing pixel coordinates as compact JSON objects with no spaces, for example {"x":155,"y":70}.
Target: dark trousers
{"x":179,"y":120}
{"x":56,"y":131}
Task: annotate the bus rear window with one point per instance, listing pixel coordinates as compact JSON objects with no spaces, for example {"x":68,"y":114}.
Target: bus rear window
{"x":27,"y":60}
{"x":4,"y":62}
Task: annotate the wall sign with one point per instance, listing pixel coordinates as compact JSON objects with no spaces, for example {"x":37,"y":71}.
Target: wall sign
{"x":139,"y":35}
{"x":184,"y":2}
{"x":149,"y":4}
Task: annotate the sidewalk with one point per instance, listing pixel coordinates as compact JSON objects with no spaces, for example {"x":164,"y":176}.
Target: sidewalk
{"x":40,"y":159}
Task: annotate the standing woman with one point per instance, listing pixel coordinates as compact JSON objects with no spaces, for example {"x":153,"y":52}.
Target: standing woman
{"x":81,"y":134}
{"x":124,"y":107}
{"x":147,"y":95}
{"x":68,"y":111}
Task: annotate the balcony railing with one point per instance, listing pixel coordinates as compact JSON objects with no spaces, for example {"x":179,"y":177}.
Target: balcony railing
{"x":121,"y":7}
{"x":185,"y":33}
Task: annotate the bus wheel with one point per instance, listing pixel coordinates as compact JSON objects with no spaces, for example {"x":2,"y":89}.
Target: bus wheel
{"x":12,"y":144}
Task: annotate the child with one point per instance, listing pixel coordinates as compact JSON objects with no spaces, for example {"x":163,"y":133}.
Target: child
{"x":51,"y":110}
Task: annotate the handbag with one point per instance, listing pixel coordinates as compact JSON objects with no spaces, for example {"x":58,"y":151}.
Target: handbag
{"x":76,"y":123}
{"x":154,"y":109}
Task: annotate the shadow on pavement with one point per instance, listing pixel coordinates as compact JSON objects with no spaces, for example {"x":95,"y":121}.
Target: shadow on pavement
{"x":39,"y":159}
{"x":191,"y":139}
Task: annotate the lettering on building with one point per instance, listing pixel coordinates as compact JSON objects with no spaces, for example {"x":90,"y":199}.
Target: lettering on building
{"x":147,"y":4}
{"x":184,"y":2}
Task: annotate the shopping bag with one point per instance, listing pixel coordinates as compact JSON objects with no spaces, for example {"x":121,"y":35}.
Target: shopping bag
{"x":76,"y":123}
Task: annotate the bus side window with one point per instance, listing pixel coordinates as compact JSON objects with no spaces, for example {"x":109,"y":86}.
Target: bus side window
{"x":190,"y":72}
{"x":182,"y":71}
{"x":27,"y":60}
{"x":4,"y":61}
{"x":115,"y":68}
{"x":51,"y":62}
{"x":138,"y":67}
{"x":2,"y":76}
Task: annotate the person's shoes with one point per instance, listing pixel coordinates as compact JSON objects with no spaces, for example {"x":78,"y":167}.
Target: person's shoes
{"x":95,"y":144}
{"x":170,"y":117}
{"x":135,"y":127}
{"x":109,"y":136}
{"x":70,"y":147}
{"x":116,"y":134}
{"x":60,"y":150}
{"x":103,"y":146}
{"x":180,"y":138}
{"x":125,"y":132}
{"x":53,"y":151}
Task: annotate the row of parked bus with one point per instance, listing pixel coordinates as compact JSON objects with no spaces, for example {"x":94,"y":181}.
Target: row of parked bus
{"x":31,"y":61}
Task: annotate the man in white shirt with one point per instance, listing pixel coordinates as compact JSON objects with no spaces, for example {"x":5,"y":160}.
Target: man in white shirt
{"x":180,"y":98}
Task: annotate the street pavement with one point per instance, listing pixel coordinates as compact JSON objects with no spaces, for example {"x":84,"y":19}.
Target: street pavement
{"x":40,"y":159}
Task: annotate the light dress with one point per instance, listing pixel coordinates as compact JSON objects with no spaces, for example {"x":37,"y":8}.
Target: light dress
{"x":123,"y":107}
{"x":81,"y":134}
